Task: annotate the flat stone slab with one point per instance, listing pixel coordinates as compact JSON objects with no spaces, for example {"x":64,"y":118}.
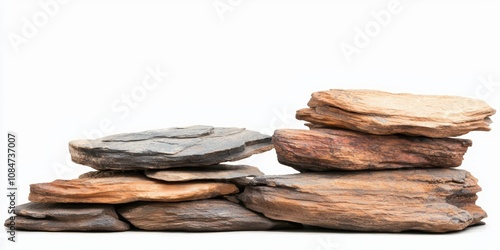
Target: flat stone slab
{"x":215,"y":172}
{"x":202,"y":215}
{"x":67,"y":217}
{"x":431,"y":200}
{"x":338,"y":149}
{"x":194,"y":146}
{"x":115,"y":188}
{"x":384,"y":113}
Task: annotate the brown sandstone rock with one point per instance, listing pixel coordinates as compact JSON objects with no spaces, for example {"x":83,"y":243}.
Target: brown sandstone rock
{"x":215,"y":172}
{"x":201,"y":215}
{"x":195,"y":146}
{"x":338,"y":149}
{"x":115,"y":188}
{"x":67,"y":217}
{"x":383,"y":113}
{"x":432,"y":200}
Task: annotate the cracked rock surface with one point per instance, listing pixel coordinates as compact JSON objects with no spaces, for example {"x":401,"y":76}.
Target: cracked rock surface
{"x":195,"y":146}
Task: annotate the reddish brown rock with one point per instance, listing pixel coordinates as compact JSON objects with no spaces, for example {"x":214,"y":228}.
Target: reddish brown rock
{"x":67,"y":217}
{"x":215,"y":172}
{"x":383,"y":113}
{"x":195,"y":146}
{"x":431,"y":200}
{"x":203,"y":215}
{"x":337,"y":149}
{"x":115,"y":188}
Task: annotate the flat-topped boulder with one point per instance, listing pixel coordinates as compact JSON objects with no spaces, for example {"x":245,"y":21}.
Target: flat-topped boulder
{"x":67,"y":217}
{"x":384,"y":113}
{"x":116,"y":187}
{"x":215,"y":172}
{"x":431,"y":200}
{"x":338,"y":149}
{"x":202,"y":215}
{"x":195,"y":146}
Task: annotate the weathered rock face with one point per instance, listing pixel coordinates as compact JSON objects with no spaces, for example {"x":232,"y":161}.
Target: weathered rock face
{"x":383,"y":113}
{"x":115,"y":188}
{"x":215,"y":172}
{"x":432,"y":200}
{"x":202,"y":215}
{"x":67,"y":217}
{"x":337,"y":149}
{"x":168,"y":148}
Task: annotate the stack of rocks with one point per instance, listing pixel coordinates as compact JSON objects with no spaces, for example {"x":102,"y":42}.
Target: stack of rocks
{"x":167,"y":179}
{"x":376,"y":161}
{"x":371,"y":161}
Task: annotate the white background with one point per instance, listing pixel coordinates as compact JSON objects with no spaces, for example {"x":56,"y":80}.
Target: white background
{"x":248,"y":63}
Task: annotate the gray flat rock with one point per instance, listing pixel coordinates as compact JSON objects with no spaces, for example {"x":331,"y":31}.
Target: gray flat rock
{"x":202,"y":215}
{"x":67,"y":217}
{"x":195,"y":146}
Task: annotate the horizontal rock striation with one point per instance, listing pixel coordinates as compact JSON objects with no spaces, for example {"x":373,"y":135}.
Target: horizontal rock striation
{"x":337,"y":149}
{"x":384,"y":113}
{"x":431,"y":200}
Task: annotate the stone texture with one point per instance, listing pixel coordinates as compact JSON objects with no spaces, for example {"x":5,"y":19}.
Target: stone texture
{"x":67,"y":217}
{"x":194,"y":146}
{"x":432,"y":200}
{"x":215,"y":172}
{"x":122,"y":187}
{"x":337,"y":149}
{"x":202,"y":215}
{"x":383,"y":113}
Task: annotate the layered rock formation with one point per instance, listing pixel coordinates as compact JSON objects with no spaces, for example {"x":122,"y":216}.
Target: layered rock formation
{"x":167,"y":179}
{"x":432,"y":200}
{"x":353,"y":130}
{"x":383,"y":113}
{"x":371,"y":161}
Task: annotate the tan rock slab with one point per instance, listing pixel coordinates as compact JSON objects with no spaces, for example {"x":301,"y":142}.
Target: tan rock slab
{"x":384,"y":113}
{"x":125,"y":187}
{"x":215,"y":172}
